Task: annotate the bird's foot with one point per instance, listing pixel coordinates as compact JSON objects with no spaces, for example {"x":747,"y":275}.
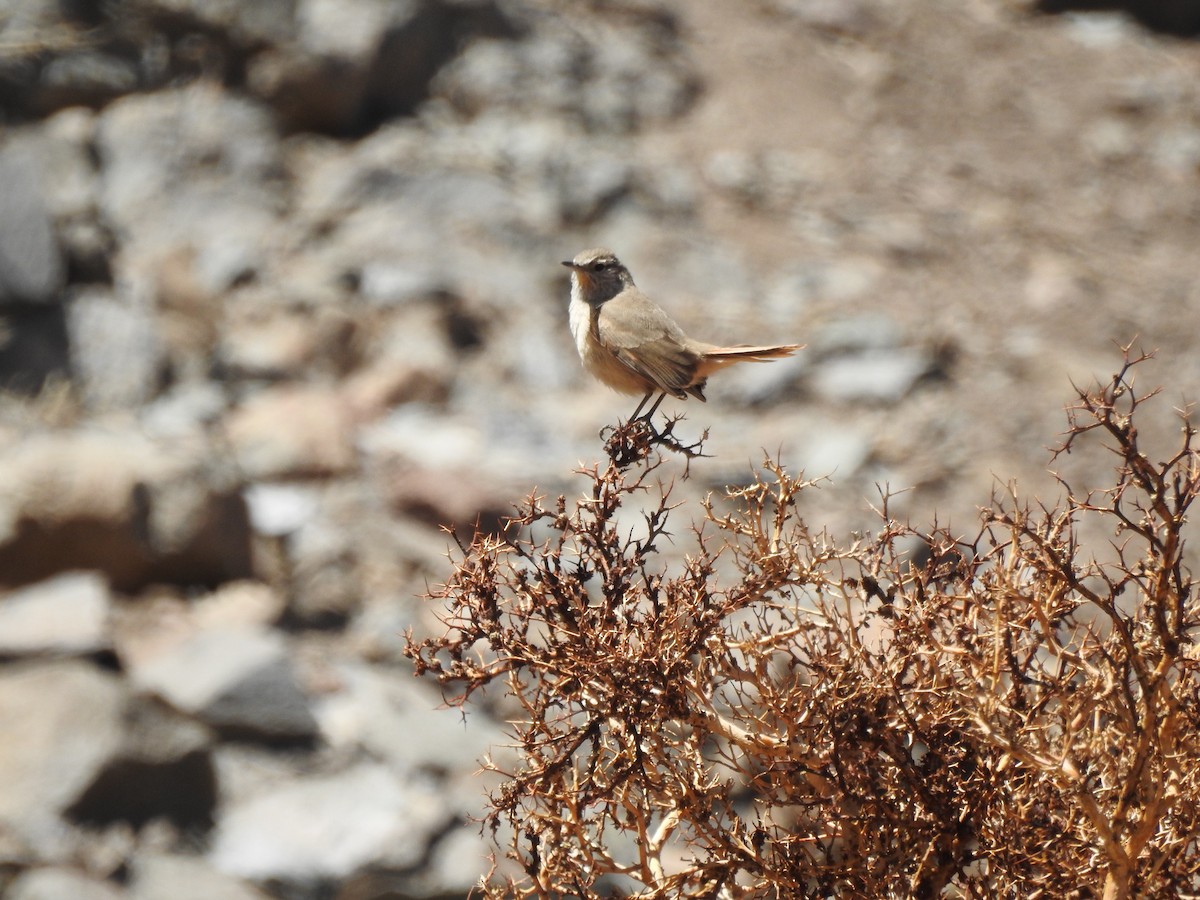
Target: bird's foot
{"x":631,"y":442}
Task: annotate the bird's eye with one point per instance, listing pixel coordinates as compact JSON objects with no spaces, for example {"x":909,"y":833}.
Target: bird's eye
{"x":599,"y":266}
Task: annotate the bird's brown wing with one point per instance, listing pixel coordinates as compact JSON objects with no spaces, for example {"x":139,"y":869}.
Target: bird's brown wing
{"x":643,"y":338}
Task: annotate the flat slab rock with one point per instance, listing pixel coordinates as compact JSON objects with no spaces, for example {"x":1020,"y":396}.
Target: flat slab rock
{"x":328,"y":827}
{"x":237,"y":680}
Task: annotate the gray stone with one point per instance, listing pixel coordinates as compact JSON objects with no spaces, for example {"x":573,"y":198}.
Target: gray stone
{"x":163,"y":773}
{"x":31,"y":264}
{"x":280,"y":509}
{"x":612,"y":78}
{"x":871,"y":377}
{"x":380,"y":710}
{"x":856,"y":18}
{"x":292,"y":431}
{"x":237,"y":680}
{"x":392,"y":283}
{"x":85,"y":78}
{"x":136,"y":509}
{"x":324,"y":557}
{"x":195,"y":167}
{"x":60,"y":147}
{"x":62,"y":724}
{"x":33,"y":347}
{"x":158,"y":876}
{"x":116,"y":353}
{"x":354,"y":62}
{"x":243,"y":24}
{"x":61,"y":884}
{"x":1177,"y":151}
{"x":855,"y":335}
{"x":460,"y":862}
{"x":184,"y":412}
{"x":262,"y":338}
{"x":67,"y":614}
{"x":836,"y":451}
{"x":326,"y":827}
{"x":762,"y":384}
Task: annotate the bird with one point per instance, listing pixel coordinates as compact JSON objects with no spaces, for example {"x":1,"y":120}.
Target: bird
{"x":629,"y":343}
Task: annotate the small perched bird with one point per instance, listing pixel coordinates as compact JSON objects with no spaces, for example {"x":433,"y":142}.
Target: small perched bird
{"x":631,"y":345}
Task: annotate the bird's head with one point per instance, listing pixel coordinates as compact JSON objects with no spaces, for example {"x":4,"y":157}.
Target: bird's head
{"x":599,"y":274}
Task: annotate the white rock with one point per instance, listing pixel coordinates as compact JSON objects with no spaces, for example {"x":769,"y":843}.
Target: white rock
{"x":60,"y":884}
{"x":158,"y":876}
{"x":64,"y":614}
{"x":327,"y":827}
{"x":238,"y":680}
{"x":62,"y":723}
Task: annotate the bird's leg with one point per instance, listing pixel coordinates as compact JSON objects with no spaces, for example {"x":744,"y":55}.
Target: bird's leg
{"x":649,"y":394}
{"x":649,"y":412}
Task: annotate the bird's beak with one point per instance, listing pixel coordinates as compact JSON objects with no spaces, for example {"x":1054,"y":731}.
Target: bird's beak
{"x":579,"y":272}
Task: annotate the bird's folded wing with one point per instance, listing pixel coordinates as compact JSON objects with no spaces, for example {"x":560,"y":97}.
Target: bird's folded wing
{"x":645,"y":340}
{"x":664,"y":363}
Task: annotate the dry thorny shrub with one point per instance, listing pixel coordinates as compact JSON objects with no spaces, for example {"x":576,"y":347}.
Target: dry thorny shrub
{"x":1015,"y":717}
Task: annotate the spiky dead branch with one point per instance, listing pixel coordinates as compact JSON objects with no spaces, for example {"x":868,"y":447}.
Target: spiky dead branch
{"x":1013,"y":717}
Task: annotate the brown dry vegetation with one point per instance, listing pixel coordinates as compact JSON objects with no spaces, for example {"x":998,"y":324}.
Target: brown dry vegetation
{"x":1010,"y":714}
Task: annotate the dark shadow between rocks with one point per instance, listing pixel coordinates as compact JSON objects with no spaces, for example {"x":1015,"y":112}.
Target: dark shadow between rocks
{"x":1180,"y":18}
{"x":183,"y":791}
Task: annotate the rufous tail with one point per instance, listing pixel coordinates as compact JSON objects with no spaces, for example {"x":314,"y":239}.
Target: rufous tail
{"x":720,"y":357}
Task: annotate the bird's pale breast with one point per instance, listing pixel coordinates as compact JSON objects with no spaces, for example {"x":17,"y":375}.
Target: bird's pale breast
{"x":597,"y":360}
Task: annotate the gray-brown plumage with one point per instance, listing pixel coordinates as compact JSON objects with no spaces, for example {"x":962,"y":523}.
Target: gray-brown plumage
{"x":627,"y":342}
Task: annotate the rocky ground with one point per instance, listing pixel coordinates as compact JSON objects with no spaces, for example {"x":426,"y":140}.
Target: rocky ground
{"x":280,"y":295}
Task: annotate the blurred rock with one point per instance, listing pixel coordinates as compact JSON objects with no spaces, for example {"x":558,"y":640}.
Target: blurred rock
{"x":163,"y":772}
{"x":856,"y":334}
{"x":191,"y":167}
{"x":613,"y":77}
{"x":237,"y":680}
{"x":85,"y":77}
{"x":378,"y":709}
{"x":763,"y":384}
{"x":67,"y":614}
{"x":31,"y":265}
{"x":277,"y":510}
{"x":63,"y":724}
{"x":866,"y":360}
{"x":324,"y":557}
{"x":389,"y":283}
{"x":448,"y":497}
{"x":354,"y":63}
{"x":1177,"y":152}
{"x":277,"y":344}
{"x":121,"y":504}
{"x":184,"y":411}
{"x":238,"y":604}
{"x":34,"y":348}
{"x":844,"y":17}
{"x":243,"y":25}
{"x":871,"y":377}
{"x":116,"y":354}
{"x":770,"y":181}
{"x":60,"y":151}
{"x":158,"y":876}
{"x":1177,"y":17}
{"x":375,"y":389}
{"x":61,"y":884}
{"x":324,"y":828}
{"x":458,"y":863}
{"x":63,"y":146}
{"x":292,"y":431}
